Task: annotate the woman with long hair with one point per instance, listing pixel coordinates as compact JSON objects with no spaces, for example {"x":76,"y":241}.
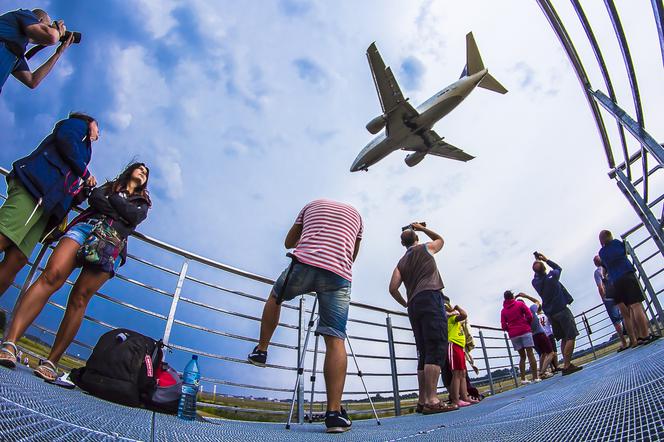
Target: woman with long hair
{"x":95,"y":240}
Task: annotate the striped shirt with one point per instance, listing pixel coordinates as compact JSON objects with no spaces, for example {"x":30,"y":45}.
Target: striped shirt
{"x":329,"y":232}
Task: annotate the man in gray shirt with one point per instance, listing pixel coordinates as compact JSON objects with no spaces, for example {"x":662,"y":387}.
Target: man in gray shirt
{"x":417,"y":270}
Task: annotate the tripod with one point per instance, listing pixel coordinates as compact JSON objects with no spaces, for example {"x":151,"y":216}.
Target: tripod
{"x":300,"y":371}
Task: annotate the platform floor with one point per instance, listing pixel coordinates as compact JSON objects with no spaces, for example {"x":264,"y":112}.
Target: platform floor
{"x":617,"y":398}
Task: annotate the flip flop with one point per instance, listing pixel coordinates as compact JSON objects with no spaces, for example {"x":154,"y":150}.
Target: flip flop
{"x":7,"y":357}
{"x":46,"y":371}
{"x":64,"y":382}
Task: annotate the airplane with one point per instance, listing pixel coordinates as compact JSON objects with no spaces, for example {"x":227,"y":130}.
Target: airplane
{"x":410,"y":129}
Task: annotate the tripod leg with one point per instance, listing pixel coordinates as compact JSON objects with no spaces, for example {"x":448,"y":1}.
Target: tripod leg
{"x":359,"y":373}
{"x":313,"y":380}
{"x":300,"y":364}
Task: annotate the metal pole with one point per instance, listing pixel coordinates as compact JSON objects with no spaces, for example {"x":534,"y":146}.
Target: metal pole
{"x":649,"y":288}
{"x":586,"y":325}
{"x":214,"y":393}
{"x":313,"y":379}
{"x":509,"y":353}
{"x":29,"y":279}
{"x":300,"y":362}
{"x":393,"y":366}
{"x":301,"y":349}
{"x":359,"y":373}
{"x":174,"y":303}
{"x":486,"y":364}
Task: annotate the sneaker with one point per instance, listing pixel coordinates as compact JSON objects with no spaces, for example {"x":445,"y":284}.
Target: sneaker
{"x":572,"y":369}
{"x":525,"y":382}
{"x":537,"y":380}
{"x":257,"y":357}
{"x":337,"y":421}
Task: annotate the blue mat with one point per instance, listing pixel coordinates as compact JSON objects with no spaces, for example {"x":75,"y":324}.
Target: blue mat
{"x":619,"y":397}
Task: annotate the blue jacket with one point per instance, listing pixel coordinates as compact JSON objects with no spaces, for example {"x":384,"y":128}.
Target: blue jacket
{"x":555,"y":296}
{"x":614,"y":258}
{"x":52,"y":170}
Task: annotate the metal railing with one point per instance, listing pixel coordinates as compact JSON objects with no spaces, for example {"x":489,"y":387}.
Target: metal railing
{"x":382,"y":338}
{"x":649,"y":201}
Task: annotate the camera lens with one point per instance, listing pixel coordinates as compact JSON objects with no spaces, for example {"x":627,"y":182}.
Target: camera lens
{"x":77,"y":36}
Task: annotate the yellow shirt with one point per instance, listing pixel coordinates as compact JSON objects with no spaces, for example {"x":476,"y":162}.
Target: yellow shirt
{"x":455,"y":331}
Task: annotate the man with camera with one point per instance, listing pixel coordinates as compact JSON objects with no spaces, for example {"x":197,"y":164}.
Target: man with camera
{"x":326,"y":237}
{"x":20,"y":27}
{"x":418,"y":271}
{"x":555,"y":299}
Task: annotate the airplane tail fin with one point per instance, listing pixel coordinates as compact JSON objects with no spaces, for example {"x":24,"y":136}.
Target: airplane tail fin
{"x":474,"y":65}
{"x":490,"y":83}
{"x":474,"y":62}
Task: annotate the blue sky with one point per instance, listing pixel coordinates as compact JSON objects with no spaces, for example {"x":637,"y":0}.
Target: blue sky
{"x":245,"y":111}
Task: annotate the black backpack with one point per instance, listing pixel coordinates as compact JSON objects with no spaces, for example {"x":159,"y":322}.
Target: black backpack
{"x":121,"y":368}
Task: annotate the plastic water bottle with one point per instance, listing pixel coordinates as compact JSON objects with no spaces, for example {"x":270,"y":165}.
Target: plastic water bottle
{"x":190,"y":384}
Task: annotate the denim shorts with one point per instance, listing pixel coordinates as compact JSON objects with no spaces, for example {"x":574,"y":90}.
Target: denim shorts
{"x":332,"y":290}
{"x":523,"y":341}
{"x":79,"y":232}
{"x":612,"y":310}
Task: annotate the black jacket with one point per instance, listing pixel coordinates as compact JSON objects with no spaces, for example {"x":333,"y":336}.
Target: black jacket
{"x":126,"y":212}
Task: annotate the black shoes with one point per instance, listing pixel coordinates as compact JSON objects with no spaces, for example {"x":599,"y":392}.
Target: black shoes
{"x":572,"y":369}
{"x":257,"y":357}
{"x":337,"y":421}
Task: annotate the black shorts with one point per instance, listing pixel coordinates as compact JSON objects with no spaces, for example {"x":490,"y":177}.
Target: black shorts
{"x":564,"y":325}
{"x":627,"y":290}
{"x":429,"y":323}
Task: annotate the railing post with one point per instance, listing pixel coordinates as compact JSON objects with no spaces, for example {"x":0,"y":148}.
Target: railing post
{"x":30,"y":276}
{"x":648,"y":286}
{"x":586,"y":325}
{"x":174,"y":303}
{"x":509,"y":353}
{"x":300,"y":349}
{"x":486,"y":364}
{"x":393,"y":366}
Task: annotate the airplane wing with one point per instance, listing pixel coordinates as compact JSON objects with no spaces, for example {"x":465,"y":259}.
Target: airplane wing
{"x":433,"y":144}
{"x":394,"y":105}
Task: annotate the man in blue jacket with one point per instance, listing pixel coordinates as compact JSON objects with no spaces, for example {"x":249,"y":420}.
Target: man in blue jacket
{"x":41,"y":189}
{"x":17,"y":29}
{"x":555,"y":299}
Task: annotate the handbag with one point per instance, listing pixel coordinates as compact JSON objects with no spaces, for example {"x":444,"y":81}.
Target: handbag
{"x":102,"y":246}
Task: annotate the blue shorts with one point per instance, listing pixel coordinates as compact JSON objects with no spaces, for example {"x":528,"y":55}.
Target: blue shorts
{"x":612,"y":310}
{"x":333,"y":295}
{"x":79,"y":232}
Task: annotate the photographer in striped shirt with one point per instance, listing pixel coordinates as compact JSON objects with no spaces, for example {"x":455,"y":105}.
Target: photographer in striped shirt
{"x":326,"y":236}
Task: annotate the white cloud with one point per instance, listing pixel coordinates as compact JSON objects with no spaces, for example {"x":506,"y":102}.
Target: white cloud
{"x":158,"y":15}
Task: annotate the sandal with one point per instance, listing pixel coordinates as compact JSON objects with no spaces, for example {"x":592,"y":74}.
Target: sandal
{"x":440,"y":407}
{"x":7,"y":357}
{"x":46,"y":370}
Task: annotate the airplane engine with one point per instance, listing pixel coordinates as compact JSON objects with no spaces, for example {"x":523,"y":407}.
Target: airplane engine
{"x":414,"y":158}
{"x":376,"y":125}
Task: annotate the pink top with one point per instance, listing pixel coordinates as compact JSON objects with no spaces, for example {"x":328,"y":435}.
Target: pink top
{"x":515,"y":318}
{"x":329,"y":232}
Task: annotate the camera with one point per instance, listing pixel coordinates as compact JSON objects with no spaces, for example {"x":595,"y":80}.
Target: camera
{"x":77,"y":36}
{"x":410,"y":226}
{"x":537,"y":255}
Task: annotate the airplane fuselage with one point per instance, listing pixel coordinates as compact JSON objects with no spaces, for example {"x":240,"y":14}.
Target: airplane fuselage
{"x":430,"y":112}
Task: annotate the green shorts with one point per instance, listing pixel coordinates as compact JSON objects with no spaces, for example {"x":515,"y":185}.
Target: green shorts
{"x":13,"y":216}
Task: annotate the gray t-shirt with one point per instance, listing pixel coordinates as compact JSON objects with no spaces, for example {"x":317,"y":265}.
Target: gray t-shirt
{"x":535,"y":326}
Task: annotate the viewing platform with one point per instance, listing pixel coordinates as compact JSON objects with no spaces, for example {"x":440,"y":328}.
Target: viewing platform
{"x":618,"y":397}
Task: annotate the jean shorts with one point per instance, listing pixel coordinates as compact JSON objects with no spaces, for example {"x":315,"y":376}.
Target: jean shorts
{"x":612,"y":310}
{"x":523,"y":341}
{"x":79,"y":232}
{"x":333,"y":293}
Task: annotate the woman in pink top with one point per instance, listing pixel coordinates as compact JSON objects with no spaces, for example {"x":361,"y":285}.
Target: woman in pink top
{"x":515,"y":319}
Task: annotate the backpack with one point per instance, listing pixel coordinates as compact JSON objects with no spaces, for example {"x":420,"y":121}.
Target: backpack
{"x":166,"y":395}
{"x":121,"y":368}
